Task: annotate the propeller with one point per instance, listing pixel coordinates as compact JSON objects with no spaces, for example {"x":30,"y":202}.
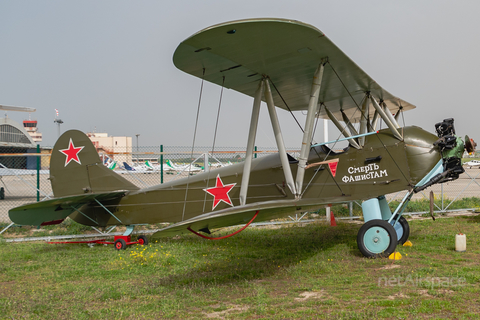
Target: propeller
{"x":470,"y":145}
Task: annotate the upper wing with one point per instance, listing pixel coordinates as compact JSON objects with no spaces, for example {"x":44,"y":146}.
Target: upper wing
{"x":288,"y":52}
{"x":57,"y":209}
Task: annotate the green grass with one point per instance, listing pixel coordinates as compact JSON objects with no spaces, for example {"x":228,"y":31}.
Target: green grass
{"x":293,"y":272}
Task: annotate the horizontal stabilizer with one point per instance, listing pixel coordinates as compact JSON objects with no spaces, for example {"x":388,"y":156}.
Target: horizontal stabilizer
{"x":35,"y":214}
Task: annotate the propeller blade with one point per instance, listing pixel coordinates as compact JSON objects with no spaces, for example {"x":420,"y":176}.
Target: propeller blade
{"x":470,"y":145}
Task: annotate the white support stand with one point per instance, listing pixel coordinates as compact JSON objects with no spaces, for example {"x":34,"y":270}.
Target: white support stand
{"x":325,"y":139}
{"x":251,"y":143}
{"x":309,"y":122}
{"x":278,"y":137}
{"x":206,"y":163}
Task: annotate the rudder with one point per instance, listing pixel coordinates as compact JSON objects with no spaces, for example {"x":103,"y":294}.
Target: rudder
{"x":76,"y":168}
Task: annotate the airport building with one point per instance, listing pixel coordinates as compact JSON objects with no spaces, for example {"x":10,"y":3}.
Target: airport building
{"x":31,"y":127}
{"x":116,"y":148}
{"x":15,"y":139}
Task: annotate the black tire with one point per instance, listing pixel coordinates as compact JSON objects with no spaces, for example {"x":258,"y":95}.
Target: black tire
{"x":402,"y":235}
{"x":377,"y":238}
{"x":142,"y":240}
{"x":120,"y":244}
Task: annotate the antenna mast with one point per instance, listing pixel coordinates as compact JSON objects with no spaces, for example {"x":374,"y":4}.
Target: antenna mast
{"x":58,"y":121}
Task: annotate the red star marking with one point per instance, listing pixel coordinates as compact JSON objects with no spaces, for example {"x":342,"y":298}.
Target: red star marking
{"x":220,"y":192}
{"x":71,"y":153}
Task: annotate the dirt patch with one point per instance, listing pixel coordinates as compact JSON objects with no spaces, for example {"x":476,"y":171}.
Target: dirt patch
{"x":310,"y":295}
{"x":389,"y":266}
{"x":424,"y":293}
{"x":397,"y":296}
{"x":221,"y":314}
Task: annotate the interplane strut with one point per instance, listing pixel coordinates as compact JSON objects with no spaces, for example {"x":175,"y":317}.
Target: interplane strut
{"x":309,"y":122}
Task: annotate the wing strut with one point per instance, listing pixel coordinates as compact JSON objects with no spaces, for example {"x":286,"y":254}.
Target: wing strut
{"x":342,"y":129}
{"x":388,"y":120}
{"x":350,"y":126}
{"x":364,"y":121}
{"x":309,"y":122}
{"x":107,"y":210}
{"x":251,"y":143}
{"x":278,"y":137}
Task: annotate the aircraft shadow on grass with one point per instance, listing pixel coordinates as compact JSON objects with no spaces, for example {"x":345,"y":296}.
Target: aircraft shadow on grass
{"x":267,"y":250}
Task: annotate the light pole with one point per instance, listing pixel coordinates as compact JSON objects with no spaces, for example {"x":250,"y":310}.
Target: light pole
{"x":137,"y":135}
{"x":58,"y":121}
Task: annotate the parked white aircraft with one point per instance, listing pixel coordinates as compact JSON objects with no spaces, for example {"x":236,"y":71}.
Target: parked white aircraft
{"x":180,"y":168}
{"x":472,"y":163}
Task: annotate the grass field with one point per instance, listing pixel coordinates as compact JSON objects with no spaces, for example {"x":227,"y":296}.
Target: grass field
{"x":292,"y":272}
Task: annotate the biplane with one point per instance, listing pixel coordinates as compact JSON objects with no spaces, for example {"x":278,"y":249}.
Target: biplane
{"x":283,"y":64}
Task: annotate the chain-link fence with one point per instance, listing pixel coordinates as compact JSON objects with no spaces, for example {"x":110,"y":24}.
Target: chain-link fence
{"x":24,"y":178}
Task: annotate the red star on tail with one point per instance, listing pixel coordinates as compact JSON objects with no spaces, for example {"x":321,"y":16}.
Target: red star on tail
{"x":71,"y":153}
{"x":220,"y":192}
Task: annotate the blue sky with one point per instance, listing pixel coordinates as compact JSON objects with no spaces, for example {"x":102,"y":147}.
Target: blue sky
{"x":107,"y":65}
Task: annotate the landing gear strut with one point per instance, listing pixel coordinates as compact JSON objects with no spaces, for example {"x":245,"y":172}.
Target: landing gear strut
{"x":403,"y":230}
{"x":382,"y":230}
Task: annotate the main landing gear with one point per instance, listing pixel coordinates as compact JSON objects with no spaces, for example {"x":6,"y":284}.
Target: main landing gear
{"x":382,"y":230}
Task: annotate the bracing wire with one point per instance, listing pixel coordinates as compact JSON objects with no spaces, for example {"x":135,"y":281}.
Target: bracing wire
{"x":193,"y":143}
{"x":214,"y":137}
{"x":218,"y":115}
{"x":371,"y":128}
{"x":325,"y":158}
{"x":286,"y":105}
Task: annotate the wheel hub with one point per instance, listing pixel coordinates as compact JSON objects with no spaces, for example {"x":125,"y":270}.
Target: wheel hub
{"x":376,"y":239}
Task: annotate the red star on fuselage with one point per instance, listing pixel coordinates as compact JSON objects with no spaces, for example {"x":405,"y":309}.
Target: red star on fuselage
{"x":72,"y":153}
{"x":220,"y":192}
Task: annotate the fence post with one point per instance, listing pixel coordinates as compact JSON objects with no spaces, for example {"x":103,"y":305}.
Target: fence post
{"x":161,"y":163}
{"x":255,"y":154}
{"x":38,"y":173}
{"x":442,"y":198}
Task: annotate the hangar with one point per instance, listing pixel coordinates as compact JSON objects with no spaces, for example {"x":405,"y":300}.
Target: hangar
{"x":15,"y":139}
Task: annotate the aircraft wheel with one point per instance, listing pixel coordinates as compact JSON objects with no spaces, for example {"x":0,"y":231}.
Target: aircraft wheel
{"x":403,"y":230}
{"x":377,"y":238}
{"x":142,"y":240}
{"x":120,"y":244}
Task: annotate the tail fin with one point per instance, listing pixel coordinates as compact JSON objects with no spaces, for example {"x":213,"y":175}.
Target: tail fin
{"x":76,"y":168}
{"x":169,"y":163}
{"x":128,"y":167}
{"x":112,"y":165}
